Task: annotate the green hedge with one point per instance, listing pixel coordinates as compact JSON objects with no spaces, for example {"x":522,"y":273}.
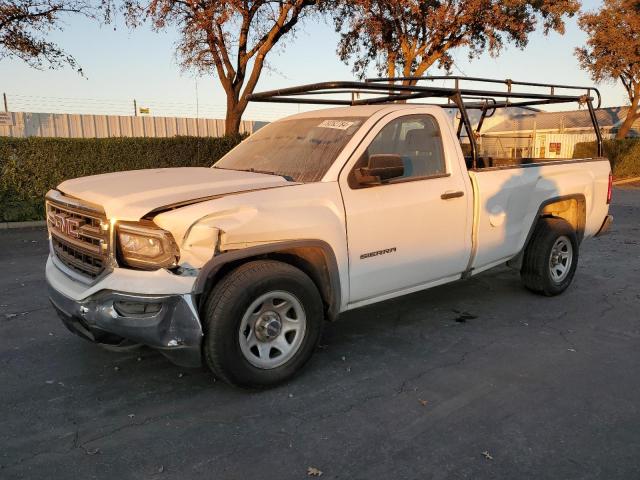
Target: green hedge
{"x":623,"y":154}
{"x":32,"y":166}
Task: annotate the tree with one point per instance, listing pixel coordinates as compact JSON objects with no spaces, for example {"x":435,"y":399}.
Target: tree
{"x":612,"y":51}
{"x":413,"y":35}
{"x":229,"y":37}
{"x":24,"y":25}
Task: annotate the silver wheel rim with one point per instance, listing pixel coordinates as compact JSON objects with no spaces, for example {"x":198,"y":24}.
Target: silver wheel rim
{"x":561,"y":259}
{"x":272,"y":330}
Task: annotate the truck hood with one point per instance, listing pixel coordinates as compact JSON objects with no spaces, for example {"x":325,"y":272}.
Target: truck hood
{"x":131,"y":195}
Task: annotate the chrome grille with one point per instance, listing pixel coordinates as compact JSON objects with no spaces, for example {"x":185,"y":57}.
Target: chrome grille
{"x":79,"y":234}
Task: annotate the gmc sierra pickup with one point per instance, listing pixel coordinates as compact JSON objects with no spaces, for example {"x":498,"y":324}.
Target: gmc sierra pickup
{"x":237,"y":266}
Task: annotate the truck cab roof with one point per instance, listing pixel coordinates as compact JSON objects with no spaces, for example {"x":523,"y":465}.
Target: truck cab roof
{"x":364,"y":111}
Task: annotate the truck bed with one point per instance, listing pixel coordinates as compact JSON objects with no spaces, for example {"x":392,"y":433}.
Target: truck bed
{"x":508,"y":198}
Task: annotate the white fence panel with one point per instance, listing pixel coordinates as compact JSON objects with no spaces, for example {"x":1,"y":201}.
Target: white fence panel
{"x":67,"y":125}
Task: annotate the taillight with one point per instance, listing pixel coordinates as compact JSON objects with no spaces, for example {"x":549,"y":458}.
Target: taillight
{"x":610,"y":188}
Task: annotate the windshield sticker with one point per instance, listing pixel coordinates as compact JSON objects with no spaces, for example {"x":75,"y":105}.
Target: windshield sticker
{"x":337,"y":124}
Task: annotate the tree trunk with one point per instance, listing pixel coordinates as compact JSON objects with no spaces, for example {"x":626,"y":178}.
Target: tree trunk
{"x":632,"y":114}
{"x":626,"y":126}
{"x":234,"y":116}
{"x":232,"y":123}
{"x":391,"y":64}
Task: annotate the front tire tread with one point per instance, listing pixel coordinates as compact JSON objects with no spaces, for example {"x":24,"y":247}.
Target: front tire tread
{"x":226,"y":296}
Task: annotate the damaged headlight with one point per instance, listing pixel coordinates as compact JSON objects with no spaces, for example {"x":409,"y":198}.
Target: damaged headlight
{"x":146,"y":246}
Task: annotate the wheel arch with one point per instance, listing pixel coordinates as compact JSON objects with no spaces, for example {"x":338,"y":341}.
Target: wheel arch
{"x":571,"y":208}
{"x":314,"y":257}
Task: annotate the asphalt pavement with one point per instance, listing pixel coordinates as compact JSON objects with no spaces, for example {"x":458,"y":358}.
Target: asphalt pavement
{"x":473,"y":380}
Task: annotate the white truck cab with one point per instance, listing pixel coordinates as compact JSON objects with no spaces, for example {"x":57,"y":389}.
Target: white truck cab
{"x":237,"y":266}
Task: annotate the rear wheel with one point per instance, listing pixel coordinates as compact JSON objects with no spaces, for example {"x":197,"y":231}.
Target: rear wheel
{"x":551,"y":258}
{"x":262,"y":323}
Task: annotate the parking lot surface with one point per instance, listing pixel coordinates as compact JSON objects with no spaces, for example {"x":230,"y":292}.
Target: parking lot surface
{"x":477,"y":379}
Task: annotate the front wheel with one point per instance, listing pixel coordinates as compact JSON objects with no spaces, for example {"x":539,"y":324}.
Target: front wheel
{"x":551,"y":258}
{"x":262,"y":323}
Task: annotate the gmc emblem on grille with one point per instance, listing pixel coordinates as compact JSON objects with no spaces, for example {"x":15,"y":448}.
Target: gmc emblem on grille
{"x":65,"y":224}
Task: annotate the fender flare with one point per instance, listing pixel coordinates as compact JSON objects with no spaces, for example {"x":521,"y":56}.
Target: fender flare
{"x":332,"y":297}
{"x":516,"y":261}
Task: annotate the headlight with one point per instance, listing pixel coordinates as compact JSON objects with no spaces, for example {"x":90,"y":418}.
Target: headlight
{"x":146,"y":246}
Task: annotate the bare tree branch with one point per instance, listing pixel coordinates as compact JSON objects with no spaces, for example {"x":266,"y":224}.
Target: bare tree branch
{"x":25,"y":24}
{"x":612,"y":51}
{"x":230,"y":37}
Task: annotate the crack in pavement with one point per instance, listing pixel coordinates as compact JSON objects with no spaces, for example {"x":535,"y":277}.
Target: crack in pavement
{"x":463,"y":358}
{"x":76,"y":444}
{"x":11,"y":315}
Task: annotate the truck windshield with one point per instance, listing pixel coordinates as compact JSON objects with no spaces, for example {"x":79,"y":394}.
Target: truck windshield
{"x":301,"y":150}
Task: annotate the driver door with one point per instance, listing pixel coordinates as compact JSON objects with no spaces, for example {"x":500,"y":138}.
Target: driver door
{"x":408,"y":232}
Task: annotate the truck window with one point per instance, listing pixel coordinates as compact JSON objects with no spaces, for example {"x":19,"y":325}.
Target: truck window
{"x":301,"y":149}
{"x":417,"y":139}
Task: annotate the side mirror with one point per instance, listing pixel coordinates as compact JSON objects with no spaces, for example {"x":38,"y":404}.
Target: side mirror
{"x":382,"y":167}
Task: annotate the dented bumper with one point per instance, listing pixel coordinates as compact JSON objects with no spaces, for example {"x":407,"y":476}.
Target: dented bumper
{"x":167,"y":323}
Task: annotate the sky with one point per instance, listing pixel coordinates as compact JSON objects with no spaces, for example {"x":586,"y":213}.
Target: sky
{"x":121,"y":65}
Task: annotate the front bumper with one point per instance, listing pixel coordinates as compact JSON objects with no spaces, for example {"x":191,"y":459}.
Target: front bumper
{"x":174,"y":330}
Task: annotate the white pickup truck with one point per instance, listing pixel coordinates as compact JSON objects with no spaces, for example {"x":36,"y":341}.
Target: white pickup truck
{"x":237,"y":266}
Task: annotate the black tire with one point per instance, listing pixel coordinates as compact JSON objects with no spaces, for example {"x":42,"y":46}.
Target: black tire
{"x":229,"y":302}
{"x":537,"y":266}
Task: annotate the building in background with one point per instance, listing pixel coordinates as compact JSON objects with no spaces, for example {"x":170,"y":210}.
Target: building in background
{"x":529,"y":134}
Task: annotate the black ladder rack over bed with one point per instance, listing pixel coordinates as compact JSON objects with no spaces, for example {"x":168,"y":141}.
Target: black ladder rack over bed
{"x":391,"y":90}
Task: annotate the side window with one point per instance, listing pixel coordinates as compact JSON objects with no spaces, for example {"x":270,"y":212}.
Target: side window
{"x":416,"y":139}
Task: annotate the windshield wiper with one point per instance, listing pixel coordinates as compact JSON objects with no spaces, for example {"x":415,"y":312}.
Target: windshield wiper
{"x":266,"y":172}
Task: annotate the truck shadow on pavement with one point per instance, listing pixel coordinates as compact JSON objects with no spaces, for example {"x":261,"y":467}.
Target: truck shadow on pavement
{"x":423,"y":324}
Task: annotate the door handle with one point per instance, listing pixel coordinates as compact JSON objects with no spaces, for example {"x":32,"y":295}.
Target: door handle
{"x":450,"y":195}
